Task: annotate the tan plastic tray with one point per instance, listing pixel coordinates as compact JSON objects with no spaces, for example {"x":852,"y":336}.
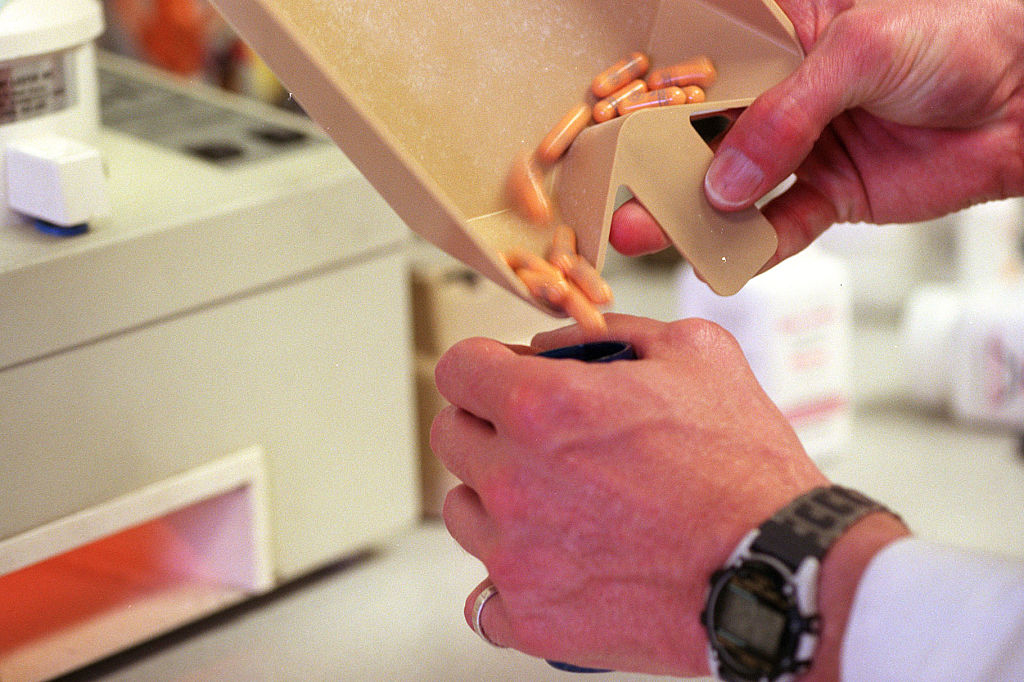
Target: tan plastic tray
{"x":431,"y":100}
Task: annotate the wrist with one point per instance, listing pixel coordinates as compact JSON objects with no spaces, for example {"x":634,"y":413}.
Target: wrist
{"x":841,"y":571}
{"x":778,"y":608}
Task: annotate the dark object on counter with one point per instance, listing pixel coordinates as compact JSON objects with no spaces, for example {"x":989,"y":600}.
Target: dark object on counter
{"x":60,"y":230}
{"x":595,"y":351}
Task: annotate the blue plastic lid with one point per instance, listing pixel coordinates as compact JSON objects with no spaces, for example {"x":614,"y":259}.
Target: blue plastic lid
{"x":60,"y":230}
{"x":595,"y":351}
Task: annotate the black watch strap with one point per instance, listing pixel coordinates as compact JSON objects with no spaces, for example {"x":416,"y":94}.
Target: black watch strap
{"x":811,"y":523}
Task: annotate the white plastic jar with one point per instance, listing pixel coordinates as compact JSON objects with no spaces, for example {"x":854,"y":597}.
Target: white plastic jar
{"x":963,"y":343}
{"x":964,"y":351}
{"x":794,"y":324}
{"x":48,"y":77}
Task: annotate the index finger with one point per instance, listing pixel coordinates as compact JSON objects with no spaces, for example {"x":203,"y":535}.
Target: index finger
{"x":635,"y":232}
{"x":475,"y":375}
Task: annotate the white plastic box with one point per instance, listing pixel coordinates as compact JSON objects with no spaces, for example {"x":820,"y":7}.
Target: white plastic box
{"x":794,"y":323}
{"x":207,"y":394}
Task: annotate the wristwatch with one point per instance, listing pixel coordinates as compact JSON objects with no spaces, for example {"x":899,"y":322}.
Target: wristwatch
{"x":762,"y":607}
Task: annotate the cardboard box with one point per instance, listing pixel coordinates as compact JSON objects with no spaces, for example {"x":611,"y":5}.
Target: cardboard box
{"x":451,"y":302}
{"x":435,"y":480}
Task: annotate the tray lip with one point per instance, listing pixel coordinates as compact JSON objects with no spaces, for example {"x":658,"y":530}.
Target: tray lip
{"x":780,"y":17}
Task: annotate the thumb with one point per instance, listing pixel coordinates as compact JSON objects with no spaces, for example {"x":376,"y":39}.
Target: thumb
{"x":777,"y":131}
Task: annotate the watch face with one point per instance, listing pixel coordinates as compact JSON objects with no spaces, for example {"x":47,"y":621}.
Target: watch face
{"x":749,"y":622}
{"x":752,"y":623}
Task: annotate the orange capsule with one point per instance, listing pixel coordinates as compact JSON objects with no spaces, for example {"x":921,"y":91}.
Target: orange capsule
{"x":562,"y":253}
{"x":586,"y":277}
{"x":561,"y":136}
{"x":695,"y":94}
{"x":620,"y":73}
{"x":606,"y":109}
{"x":563,"y":261}
{"x":520,"y":259}
{"x":697,"y":71}
{"x":525,"y":187}
{"x":581,"y":309}
{"x":552,"y":290}
{"x":653,"y":98}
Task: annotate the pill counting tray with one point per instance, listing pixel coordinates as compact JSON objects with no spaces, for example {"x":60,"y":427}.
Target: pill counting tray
{"x":432,"y":100}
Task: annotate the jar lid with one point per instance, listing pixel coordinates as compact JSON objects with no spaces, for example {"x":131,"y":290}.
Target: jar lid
{"x":37,"y":27}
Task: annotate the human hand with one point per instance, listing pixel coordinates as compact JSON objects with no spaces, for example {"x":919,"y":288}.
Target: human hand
{"x":901,"y":112}
{"x":601,"y":497}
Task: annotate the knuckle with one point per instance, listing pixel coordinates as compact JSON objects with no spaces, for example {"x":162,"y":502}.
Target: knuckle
{"x":530,"y":408}
{"x":453,"y":363}
{"x":781,"y":118}
{"x":705,"y":338}
{"x":454,"y":504}
{"x":867,"y":41}
{"x":445,"y":365}
{"x":505,"y":500}
{"x":698,"y":332}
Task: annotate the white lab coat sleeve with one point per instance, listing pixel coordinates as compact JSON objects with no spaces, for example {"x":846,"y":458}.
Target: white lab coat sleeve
{"x":925,"y":611}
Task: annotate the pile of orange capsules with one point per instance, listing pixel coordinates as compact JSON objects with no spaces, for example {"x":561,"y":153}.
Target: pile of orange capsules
{"x":564,"y":280}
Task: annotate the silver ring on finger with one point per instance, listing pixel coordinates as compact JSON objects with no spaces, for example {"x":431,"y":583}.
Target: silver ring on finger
{"x":478,"y":609}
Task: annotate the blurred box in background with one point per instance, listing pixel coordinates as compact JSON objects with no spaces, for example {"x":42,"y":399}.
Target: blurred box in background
{"x":189,"y":39}
{"x":451,"y":302}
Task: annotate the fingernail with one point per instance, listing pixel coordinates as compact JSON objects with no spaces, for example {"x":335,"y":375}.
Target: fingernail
{"x":733,"y":180}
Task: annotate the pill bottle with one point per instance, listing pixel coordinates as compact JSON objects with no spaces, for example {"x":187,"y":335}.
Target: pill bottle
{"x":963,"y":351}
{"x":794,"y":324}
{"x":962,"y":342}
{"x":48,"y":74}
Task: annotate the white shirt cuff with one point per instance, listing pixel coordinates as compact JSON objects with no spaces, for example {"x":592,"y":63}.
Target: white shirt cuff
{"x":926,"y":611}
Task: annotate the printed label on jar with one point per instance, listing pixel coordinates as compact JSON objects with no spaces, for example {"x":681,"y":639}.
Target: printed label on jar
{"x":33,"y":87}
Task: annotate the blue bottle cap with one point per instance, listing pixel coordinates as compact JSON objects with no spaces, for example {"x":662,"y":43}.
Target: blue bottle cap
{"x":60,"y":230}
{"x":594,"y":351}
